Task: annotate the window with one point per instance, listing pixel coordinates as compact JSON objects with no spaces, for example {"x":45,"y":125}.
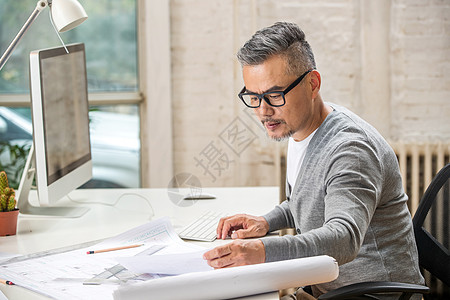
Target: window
{"x":110,"y":37}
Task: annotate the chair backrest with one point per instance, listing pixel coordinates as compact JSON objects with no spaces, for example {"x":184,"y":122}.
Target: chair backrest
{"x":434,"y":254}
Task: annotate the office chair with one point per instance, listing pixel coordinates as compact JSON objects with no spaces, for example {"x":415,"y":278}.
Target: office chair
{"x":433,"y":256}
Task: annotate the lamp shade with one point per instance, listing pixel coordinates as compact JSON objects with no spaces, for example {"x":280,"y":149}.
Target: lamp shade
{"x":67,"y":14}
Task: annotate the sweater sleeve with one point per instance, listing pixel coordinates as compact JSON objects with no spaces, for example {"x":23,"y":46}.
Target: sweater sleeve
{"x":280,"y":217}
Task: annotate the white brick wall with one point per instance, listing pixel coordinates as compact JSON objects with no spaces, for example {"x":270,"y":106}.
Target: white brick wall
{"x":413,"y":102}
{"x":202,"y":81}
{"x":421,"y":70}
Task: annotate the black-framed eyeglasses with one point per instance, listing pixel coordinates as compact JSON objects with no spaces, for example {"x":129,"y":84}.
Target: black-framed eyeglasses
{"x":275,"y":98}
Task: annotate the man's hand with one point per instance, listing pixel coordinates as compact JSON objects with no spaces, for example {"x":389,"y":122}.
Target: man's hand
{"x":236,"y":253}
{"x":241,"y":227}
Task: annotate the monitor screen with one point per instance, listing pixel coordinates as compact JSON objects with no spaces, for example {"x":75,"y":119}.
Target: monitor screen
{"x":60,"y":113}
{"x":65,"y":110}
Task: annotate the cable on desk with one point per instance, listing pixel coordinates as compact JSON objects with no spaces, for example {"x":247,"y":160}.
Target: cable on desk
{"x":152,"y":214}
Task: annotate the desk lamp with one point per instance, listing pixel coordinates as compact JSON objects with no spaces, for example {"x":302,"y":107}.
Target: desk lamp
{"x":66,"y":14}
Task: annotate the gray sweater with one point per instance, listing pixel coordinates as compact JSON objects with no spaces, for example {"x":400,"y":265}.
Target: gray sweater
{"x":348,"y":202}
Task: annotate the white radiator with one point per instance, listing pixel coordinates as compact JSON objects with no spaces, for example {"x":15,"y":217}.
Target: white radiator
{"x":419,"y":163}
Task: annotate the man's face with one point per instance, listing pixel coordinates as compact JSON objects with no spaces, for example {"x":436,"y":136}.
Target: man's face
{"x":296,"y":115}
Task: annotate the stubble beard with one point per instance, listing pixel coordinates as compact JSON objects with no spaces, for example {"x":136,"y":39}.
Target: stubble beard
{"x":282,"y":138}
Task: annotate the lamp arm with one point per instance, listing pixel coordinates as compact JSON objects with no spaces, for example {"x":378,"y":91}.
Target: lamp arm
{"x":41,"y":5}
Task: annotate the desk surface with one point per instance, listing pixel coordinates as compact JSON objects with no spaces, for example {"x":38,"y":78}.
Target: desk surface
{"x":113,"y":211}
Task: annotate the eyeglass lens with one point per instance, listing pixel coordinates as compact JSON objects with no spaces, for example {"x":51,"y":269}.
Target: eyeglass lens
{"x":274,"y":99}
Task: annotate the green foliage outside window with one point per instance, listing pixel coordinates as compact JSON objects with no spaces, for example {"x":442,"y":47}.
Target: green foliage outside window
{"x":109,"y":34}
{"x":13,"y":161}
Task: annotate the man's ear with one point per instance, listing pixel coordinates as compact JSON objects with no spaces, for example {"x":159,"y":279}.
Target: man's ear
{"x":315,"y":81}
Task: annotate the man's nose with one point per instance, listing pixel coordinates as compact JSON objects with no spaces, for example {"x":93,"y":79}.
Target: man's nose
{"x":265,"y":109}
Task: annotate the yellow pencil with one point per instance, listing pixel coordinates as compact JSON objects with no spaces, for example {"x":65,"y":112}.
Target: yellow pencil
{"x":114,"y":249}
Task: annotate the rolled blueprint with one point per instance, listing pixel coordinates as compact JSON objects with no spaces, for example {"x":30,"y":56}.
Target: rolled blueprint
{"x":235,"y":282}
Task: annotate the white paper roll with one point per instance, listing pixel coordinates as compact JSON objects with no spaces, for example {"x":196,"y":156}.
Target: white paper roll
{"x":235,"y":282}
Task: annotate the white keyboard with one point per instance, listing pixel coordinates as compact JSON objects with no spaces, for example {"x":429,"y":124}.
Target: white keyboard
{"x":202,"y":229}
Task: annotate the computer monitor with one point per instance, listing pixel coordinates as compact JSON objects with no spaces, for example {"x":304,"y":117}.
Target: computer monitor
{"x":61,"y":150}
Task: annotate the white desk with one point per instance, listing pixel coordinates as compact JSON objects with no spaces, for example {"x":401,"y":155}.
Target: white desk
{"x":113,"y":211}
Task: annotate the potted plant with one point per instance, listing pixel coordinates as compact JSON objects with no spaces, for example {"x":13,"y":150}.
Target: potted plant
{"x":8,"y":210}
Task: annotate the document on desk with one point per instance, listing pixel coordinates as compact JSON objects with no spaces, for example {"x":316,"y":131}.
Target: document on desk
{"x":6,"y":256}
{"x":168,"y":264}
{"x":62,"y":275}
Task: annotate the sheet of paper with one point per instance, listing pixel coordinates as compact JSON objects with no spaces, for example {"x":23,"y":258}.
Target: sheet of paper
{"x":6,"y":256}
{"x":65,"y":272}
{"x":235,"y":282}
{"x":169,"y":264}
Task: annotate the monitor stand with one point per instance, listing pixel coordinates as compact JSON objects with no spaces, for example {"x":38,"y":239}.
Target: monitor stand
{"x":23,"y":203}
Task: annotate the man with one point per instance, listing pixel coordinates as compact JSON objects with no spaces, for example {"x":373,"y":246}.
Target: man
{"x":344,"y":190}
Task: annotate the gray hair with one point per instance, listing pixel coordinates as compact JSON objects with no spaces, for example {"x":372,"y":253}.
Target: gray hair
{"x":282,"y":38}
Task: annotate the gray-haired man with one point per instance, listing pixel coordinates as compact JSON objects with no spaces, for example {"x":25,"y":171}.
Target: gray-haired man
{"x":344,"y":191}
